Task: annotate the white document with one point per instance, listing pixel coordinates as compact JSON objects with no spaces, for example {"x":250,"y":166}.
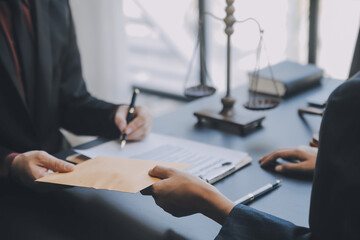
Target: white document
{"x":208,"y":162}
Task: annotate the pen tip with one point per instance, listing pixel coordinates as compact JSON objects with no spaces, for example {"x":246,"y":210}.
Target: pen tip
{"x":136,"y":90}
{"x":278,"y":181}
{"x":122,"y":144}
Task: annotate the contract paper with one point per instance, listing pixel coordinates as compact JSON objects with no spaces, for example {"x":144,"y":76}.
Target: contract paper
{"x":117,"y":174}
{"x":206,"y":160}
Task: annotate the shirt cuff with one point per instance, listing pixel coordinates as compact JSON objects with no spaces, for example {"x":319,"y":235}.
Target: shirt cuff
{"x":6,"y":165}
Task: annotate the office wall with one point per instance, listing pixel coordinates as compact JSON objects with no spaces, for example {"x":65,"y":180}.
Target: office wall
{"x":101,"y":39}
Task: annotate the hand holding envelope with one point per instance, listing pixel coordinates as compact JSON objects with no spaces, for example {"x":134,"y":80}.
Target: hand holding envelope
{"x":117,"y":174}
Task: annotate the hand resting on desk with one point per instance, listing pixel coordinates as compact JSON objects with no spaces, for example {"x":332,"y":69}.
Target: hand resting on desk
{"x":304,"y":155}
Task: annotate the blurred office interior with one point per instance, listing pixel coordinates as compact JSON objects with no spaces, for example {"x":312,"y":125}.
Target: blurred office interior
{"x":149,"y":44}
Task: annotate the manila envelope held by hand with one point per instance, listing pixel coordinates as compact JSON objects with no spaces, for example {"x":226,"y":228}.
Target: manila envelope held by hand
{"x":118,"y":174}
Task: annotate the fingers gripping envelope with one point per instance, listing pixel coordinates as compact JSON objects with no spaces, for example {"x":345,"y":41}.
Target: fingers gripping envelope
{"x":117,"y":174}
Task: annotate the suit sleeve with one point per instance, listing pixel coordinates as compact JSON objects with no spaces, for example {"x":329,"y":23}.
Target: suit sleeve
{"x":80,"y":112}
{"x":247,"y":223}
{"x":4,"y":152}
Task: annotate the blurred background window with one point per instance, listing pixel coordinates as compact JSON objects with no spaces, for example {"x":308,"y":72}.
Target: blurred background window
{"x":161,"y":36}
{"x":149,"y":43}
{"x":339,"y":23}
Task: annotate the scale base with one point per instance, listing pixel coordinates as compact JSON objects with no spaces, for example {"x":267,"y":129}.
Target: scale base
{"x":245,"y":123}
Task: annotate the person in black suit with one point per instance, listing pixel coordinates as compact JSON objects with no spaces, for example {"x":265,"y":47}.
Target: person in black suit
{"x":306,"y":155}
{"x":334,"y":209}
{"x":42,"y":90}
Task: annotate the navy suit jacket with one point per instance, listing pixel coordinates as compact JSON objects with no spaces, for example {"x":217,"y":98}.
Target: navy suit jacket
{"x":335,"y":198}
{"x":59,"y":95}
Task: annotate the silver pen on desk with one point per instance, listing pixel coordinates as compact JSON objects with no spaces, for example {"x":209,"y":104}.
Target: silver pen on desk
{"x":258,"y":193}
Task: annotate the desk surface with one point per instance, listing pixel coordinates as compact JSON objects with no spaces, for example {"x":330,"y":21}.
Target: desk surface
{"x":80,"y":213}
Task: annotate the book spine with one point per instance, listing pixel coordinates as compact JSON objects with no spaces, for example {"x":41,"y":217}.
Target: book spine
{"x":267,"y":87}
{"x":301,"y":85}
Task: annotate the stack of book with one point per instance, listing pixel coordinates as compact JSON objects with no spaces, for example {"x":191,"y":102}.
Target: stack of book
{"x":287,"y":79}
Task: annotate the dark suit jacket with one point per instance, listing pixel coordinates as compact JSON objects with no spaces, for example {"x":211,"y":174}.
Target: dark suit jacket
{"x":59,"y":93}
{"x":335,"y":199}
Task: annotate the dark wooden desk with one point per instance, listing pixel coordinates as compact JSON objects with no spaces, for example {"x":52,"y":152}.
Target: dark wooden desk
{"x":80,"y":213}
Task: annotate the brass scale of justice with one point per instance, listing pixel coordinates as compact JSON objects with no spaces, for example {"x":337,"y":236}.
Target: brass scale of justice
{"x":245,"y":122}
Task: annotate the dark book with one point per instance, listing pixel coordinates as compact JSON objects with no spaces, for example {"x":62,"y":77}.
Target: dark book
{"x":289,"y":78}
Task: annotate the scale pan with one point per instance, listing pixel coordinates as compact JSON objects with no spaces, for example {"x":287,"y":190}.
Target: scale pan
{"x":199,"y":91}
{"x":262,"y":104}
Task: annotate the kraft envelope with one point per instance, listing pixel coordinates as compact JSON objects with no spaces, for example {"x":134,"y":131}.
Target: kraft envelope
{"x":117,"y":174}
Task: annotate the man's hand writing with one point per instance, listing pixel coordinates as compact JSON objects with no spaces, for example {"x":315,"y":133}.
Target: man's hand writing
{"x":139,"y":127}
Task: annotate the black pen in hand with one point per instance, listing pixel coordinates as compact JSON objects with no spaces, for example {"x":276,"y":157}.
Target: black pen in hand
{"x":130,"y":115}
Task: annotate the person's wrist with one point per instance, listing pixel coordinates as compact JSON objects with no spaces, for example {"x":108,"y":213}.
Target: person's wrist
{"x":215,"y":205}
{"x":5,"y":171}
{"x":12,"y":171}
